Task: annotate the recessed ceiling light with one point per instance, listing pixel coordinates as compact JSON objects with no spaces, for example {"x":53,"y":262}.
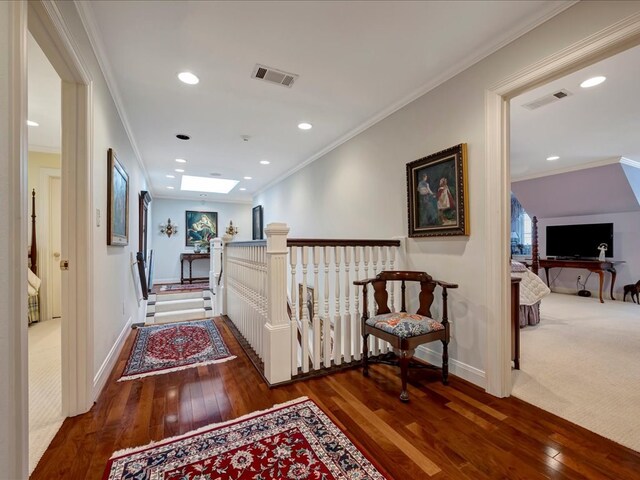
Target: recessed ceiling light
{"x":305,"y":126}
{"x":265,"y":162}
{"x":188,"y":77}
{"x":243,"y":189}
{"x":592,"y":82}
{"x":171,"y":176}
{"x":247,"y":178}
{"x":206,"y":184}
{"x":552,"y":158}
{"x":215,"y":174}
{"x":31,"y":123}
{"x":170,"y":188}
{"x":203,"y":194}
{"x":182,"y":136}
{"x":179,"y":170}
{"x":181,"y":160}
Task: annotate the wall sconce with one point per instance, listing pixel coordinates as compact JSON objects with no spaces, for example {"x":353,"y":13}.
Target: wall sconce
{"x":169,"y":228}
{"x":231,"y":230}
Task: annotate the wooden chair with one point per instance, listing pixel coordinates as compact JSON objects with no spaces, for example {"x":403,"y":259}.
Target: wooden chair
{"x":402,"y":330}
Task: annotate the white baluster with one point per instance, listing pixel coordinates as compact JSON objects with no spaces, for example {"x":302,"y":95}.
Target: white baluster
{"x":357,"y":353}
{"x":327,"y":319}
{"x":304,"y":312}
{"x":337,"y":345}
{"x":317,"y":350}
{"x":293,"y":260}
{"x":348,"y":321}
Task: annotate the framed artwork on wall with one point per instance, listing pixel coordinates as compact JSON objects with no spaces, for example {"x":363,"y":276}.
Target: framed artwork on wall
{"x":437,"y":194}
{"x":200,"y":227}
{"x":258,"y":228}
{"x":117,"y":201}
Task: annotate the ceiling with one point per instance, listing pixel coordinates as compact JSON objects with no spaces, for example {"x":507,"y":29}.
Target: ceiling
{"x":589,"y":127}
{"x":44,"y":93}
{"x":357,"y":61}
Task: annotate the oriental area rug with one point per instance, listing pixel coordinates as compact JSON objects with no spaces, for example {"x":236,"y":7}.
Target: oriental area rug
{"x":172,"y":287}
{"x":293,"y":441}
{"x":175,"y":346}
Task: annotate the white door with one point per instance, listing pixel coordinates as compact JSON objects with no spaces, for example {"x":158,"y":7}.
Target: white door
{"x":55,"y":244}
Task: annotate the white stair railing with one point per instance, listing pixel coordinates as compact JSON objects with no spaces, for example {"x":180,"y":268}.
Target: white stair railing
{"x":321,"y":328}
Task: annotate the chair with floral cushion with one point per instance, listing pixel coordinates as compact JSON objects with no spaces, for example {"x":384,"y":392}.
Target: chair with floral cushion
{"x":405,"y":331}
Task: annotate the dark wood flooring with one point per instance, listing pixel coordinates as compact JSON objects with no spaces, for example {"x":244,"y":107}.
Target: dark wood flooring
{"x":453,"y":432}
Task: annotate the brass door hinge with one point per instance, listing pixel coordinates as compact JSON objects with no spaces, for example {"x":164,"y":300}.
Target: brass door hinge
{"x":64,"y":264}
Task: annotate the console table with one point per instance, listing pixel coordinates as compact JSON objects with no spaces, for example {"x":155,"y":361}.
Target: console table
{"x":595,"y":266}
{"x":190,"y":257}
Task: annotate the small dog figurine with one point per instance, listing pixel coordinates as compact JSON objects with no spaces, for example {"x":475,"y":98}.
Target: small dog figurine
{"x":634,"y":290}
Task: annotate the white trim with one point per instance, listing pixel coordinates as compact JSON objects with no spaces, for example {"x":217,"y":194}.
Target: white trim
{"x":50,"y":31}
{"x":573,"y":168}
{"x":87,"y":18}
{"x":605,"y":43}
{"x":629,"y":162}
{"x":457,"y":368}
{"x":100,"y":380}
{"x":14,"y":428}
{"x":448,"y":74}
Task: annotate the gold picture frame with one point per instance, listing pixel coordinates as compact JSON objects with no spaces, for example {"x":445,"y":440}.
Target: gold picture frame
{"x":438,"y":194}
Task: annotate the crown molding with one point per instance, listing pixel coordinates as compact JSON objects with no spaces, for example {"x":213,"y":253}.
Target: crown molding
{"x":181,"y":199}
{"x":575,"y":168}
{"x":448,"y":74}
{"x":87,"y":18}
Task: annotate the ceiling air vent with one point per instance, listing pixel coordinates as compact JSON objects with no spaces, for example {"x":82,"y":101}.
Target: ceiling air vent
{"x":547,"y":99}
{"x":272,"y":75}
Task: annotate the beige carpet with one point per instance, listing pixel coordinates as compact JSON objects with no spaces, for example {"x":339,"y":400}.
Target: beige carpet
{"x":45,"y":387}
{"x":582,"y":363}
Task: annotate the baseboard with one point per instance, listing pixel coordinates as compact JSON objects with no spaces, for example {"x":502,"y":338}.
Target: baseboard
{"x":100,"y":380}
{"x":594,"y":293}
{"x":457,"y":368}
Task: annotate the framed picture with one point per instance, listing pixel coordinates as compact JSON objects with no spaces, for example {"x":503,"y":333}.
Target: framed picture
{"x":258,"y":230}
{"x":437,"y":194}
{"x":200,"y":227}
{"x":117,"y":202}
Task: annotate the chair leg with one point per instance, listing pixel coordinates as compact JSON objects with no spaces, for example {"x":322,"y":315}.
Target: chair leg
{"x":365,"y":354}
{"x":405,"y":357}
{"x":445,"y":362}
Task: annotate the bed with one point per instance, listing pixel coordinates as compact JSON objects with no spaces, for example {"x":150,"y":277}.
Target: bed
{"x":532,"y":288}
{"x":33,"y":286}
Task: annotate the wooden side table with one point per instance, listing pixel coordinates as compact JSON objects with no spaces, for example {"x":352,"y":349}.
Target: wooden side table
{"x":515,"y":321}
{"x":190,"y":257}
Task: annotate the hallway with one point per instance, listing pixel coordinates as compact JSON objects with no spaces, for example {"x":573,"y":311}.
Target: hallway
{"x":444,"y":432}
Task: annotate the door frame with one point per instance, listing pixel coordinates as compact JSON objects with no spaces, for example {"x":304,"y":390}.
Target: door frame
{"x":47,"y":26}
{"x":606,"y":43}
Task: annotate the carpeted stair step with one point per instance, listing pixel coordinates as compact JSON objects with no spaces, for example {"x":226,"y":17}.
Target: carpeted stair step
{"x":164,"y":297}
{"x":178,"y":316}
{"x":182,"y":304}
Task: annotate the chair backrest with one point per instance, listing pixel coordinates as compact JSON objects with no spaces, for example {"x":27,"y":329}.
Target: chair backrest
{"x":381,"y":296}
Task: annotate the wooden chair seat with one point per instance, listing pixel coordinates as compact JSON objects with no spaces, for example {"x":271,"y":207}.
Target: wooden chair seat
{"x":405,"y":331}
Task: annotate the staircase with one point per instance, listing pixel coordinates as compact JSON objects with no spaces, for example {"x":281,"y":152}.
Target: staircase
{"x":178,"y":307}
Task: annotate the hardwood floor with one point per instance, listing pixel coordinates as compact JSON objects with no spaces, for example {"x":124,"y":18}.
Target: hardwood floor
{"x":453,"y":432}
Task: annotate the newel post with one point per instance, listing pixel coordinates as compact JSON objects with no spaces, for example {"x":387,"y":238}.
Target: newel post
{"x":277,"y":330}
{"x":216,"y":285}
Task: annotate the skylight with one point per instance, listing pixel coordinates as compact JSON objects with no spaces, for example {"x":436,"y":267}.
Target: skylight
{"x":206,"y":184}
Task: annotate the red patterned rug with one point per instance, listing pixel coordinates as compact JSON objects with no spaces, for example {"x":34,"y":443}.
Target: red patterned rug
{"x":295,"y":441}
{"x":172,"y":287}
{"x":175,"y":346}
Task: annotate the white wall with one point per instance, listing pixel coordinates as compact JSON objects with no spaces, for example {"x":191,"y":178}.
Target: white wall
{"x":115,"y":301}
{"x":166,"y":251}
{"x":359,"y":189}
{"x":626,"y":231}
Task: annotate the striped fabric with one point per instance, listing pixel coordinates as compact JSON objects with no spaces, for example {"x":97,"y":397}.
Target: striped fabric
{"x":34,"y":309}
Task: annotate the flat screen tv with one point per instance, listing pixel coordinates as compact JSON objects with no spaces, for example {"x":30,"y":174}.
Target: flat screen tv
{"x":579,"y":241}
